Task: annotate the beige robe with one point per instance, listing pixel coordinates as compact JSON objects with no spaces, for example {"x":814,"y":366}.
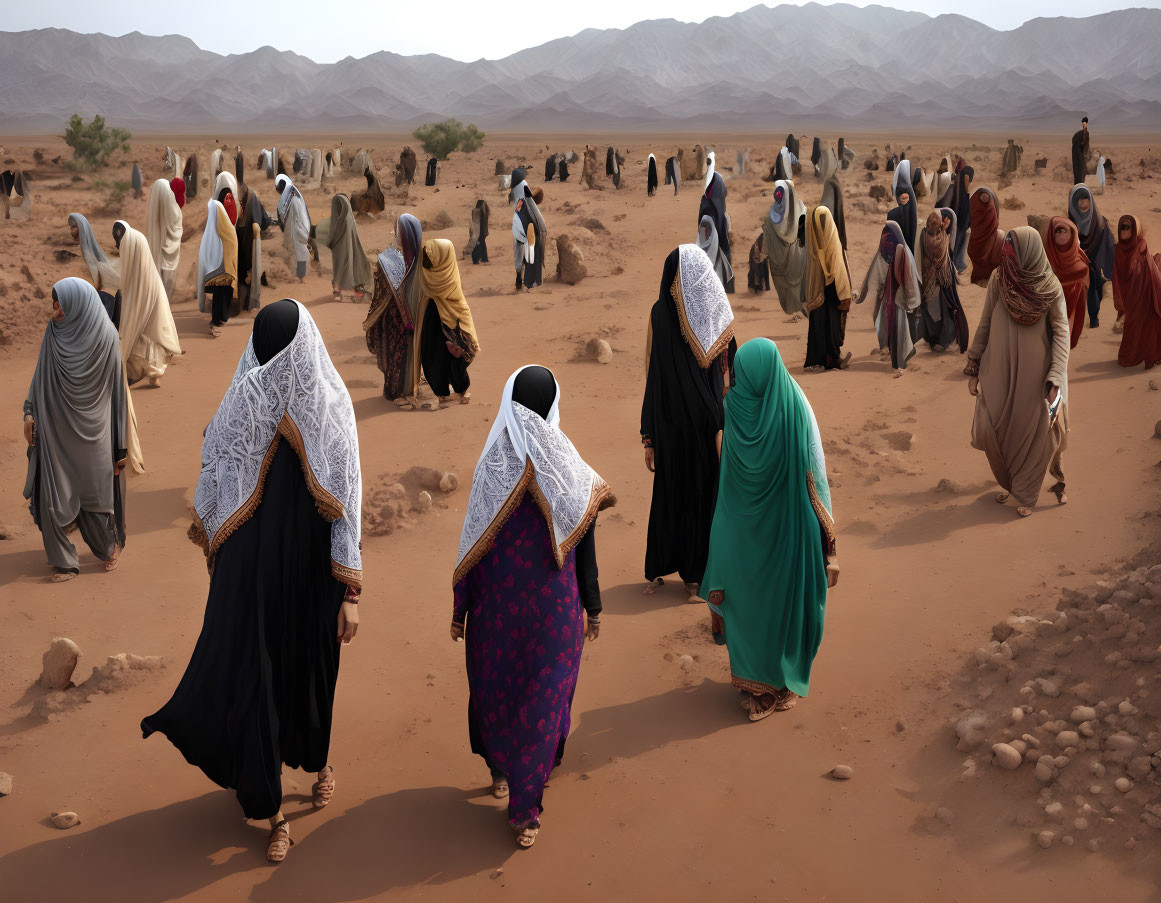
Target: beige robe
{"x":1012,"y":425}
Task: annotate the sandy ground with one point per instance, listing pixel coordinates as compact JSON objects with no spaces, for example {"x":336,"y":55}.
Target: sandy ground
{"x":666,"y":792}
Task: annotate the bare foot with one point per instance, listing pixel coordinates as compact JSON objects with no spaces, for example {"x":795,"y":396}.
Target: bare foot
{"x":111,"y":564}
{"x":653,"y":586}
{"x":155,"y":382}
{"x":465,"y":398}
{"x":526,"y":837}
{"x":691,"y":593}
{"x":1024,"y":512}
{"x":845,"y":362}
{"x":1058,"y":491}
{"x":1002,"y":497}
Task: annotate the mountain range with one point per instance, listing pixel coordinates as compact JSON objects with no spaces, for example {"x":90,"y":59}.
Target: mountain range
{"x":767,"y":68}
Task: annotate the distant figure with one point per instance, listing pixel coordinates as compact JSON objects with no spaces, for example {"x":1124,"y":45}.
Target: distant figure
{"x":104,"y":273}
{"x":529,"y":234}
{"x":432,"y":171}
{"x":772,"y":551}
{"x":163,"y":230}
{"x":713,"y":205}
{"x":1137,"y":293}
{"x":610,"y":161}
{"x":75,"y":419}
{"x":651,"y":176}
{"x":190,"y":176}
{"x":672,"y":174}
{"x":1096,"y":239}
{"x":446,"y":340}
{"x":252,"y":221}
{"x":217,"y":266}
{"x":135,"y":180}
{"x":618,"y":159}
{"x":562,"y":170}
{"x":391,"y":322}
{"x":828,"y":293}
{"x":987,"y":239}
{"x":707,"y":240}
{"x":906,"y":211}
{"x":941,"y":321}
{"x":758,"y":278}
{"x":294,"y":220}
{"x":816,"y":155}
{"x":1017,"y":371}
{"x":893,"y":284}
{"x":1010,"y":163}
{"x":961,"y":193}
{"x":784,"y":229}
{"x":1070,"y":264}
{"x":1080,"y":153}
{"x":478,"y":233}
{"x":832,"y":195}
{"x":793,"y":145}
{"x":688,"y":365}
{"x":549,"y":167}
{"x":340,"y":233}
{"x":525,"y":584}
{"x":407,"y":163}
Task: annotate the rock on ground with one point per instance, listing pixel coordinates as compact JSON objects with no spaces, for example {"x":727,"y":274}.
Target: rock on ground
{"x":570,"y":260}
{"x":58,"y":664}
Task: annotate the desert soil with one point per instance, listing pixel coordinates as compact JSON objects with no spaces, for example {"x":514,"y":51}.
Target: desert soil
{"x":666,"y":791}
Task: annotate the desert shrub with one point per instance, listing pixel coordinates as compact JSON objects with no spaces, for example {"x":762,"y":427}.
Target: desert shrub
{"x":94,"y":142}
{"x":441,"y":138}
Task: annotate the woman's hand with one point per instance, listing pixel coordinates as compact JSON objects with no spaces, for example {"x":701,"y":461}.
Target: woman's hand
{"x":974,"y":385}
{"x":29,"y":429}
{"x":832,"y":573}
{"x":592,"y":628}
{"x":348,"y":622}
{"x":1051,"y":392}
{"x":650,"y":461}
{"x":457,"y":632}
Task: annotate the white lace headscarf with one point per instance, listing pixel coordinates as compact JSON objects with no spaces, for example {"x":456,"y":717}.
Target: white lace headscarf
{"x":299,"y":395}
{"x":703,"y":308}
{"x":525,"y":451}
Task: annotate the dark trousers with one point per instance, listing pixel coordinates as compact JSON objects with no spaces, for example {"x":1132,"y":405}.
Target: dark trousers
{"x":1096,"y":287}
{"x":480,"y":251}
{"x":221,"y":296}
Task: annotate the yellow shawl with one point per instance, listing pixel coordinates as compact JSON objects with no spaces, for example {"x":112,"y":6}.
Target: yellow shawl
{"x":441,"y":283}
{"x":826,"y":262}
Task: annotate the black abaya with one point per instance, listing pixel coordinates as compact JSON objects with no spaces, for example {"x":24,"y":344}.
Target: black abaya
{"x":713,"y":205}
{"x":432,"y":169}
{"x":824,"y":333}
{"x":550,"y":168}
{"x":259,"y":690}
{"x":651,"y":177}
{"x":671,"y":174}
{"x":445,"y":372}
{"x":681,"y":415}
{"x":562,"y":171}
{"x":907,"y":217}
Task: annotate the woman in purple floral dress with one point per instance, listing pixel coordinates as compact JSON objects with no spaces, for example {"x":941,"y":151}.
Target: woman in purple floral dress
{"x":526,"y":568}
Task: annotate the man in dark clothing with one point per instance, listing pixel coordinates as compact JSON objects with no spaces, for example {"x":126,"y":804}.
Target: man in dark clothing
{"x":1080,"y":153}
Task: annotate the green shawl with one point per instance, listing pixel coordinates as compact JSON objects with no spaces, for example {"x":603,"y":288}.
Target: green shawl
{"x":772,"y":528}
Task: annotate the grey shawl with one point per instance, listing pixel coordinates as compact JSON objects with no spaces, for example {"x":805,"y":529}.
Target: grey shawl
{"x":787,"y":258}
{"x":77,"y":398}
{"x":106,"y":275}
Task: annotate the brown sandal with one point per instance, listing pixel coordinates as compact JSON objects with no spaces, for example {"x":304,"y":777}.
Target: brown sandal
{"x":760,"y":710}
{"x":786,"y":700}
{"x":324,"y":788}
{"x":500,"y":788}
{"x":526,"y":836}
{"x":280,"y":842}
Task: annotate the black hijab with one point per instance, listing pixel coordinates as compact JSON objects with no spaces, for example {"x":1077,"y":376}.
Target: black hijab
{"x":713,"y":205}
{"x":118,"y":233}
{"x":907,"y":216}
{"x":535,"y":388}
{"x":562,"y":170}
{"x":651,"y":176}
{"x":792,"y":145}
{"x":274,"y":329}
{"x":961,"y":198}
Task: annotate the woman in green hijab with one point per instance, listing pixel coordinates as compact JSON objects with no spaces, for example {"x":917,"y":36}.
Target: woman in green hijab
{"x":772,"y":544}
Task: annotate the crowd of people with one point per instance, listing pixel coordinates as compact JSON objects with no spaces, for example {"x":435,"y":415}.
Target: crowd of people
{"x":741,"y":504}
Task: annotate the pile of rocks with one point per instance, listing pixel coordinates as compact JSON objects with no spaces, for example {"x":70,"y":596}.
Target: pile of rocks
{"x":1071,"y":699}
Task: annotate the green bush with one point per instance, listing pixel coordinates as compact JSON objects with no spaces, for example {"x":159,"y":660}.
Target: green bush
{"x":441,"y":138}
{"x":94,"y":142}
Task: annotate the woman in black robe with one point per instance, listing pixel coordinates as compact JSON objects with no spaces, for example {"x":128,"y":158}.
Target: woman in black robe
{"x":681,"y":415}
{"x":259,"y":690}
{"x":713,"y":205}
{"x":253,"y":214}
{"x":1096,"y":240}
{"x":610,"y":162}
{"x":793,"y":146}
{"x":906,"y":214}
{"x":671,"y":174}
{"x":961,"y":206}
{"x":432,"y":169}
{"x":562,"y":170}
{"x":651,"y":176}
{"x":550,"y":167}
{"x":816,"y":154}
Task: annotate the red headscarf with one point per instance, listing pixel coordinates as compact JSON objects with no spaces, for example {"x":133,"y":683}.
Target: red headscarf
{"x":178,"y":186}
{"x":984,"y":245}
{"x":1137,"y":293}
{"x":1070,"y":264}
{"x":231,"y":206}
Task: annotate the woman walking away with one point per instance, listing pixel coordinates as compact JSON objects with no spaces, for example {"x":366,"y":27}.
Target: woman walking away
{"x":987,"y":239}
{"x":527,"y":566}
{"x":1070,"y":264}
{"x":277,"y":511}
{"x":447,"y":339}
{"x":828,"y":294}
{"x":1137,"y":292}
{"x":163,"y":229}
{"x":478,"y":233}
{"x":74,"y":423}
{"x":390,"y":324}
{"x":217,"y":266}
{"x":688,"y":355}
{"x":1018,"y":372}
{"x":295,"y":222}
{"x":772,"y":547}
{"x":349,"y":267}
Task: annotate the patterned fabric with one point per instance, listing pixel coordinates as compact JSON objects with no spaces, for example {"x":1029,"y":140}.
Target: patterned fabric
{"x":525,"y":451}
{"x":524,"y":636}
{"x":706,"y":316}
{"x":394,"y":269}
{"x":299,"y":394}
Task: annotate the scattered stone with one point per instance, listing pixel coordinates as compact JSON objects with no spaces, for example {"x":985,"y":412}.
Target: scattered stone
{"x":5,"y":784}
{"x":1140,"y":767}
{"x":1011,"y":202}
{"x":1045,"y":770}
{"x":58,"y":664}
{"x":599,"y":350}
{"x":878,"y":192}
{"x":424,"y":501}
{"x":1006,"y":757}
{"x":65,"y":820}
{"x":971,"y":730}
{"x":1083,"y":713}
{"x":1123,"y":784}
{"x":1066,"y":739}
{"x":570,"y":260}
{"x":1055,"y":811}
{"x":842,"y":772}
{"x":449,"y":483}
{"x":1046,"y":838}
{"x":1120,"y":742}
{"x":1048,"y":687}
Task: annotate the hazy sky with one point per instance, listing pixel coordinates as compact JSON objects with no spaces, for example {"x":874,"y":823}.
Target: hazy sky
{"x":470,"y":29}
